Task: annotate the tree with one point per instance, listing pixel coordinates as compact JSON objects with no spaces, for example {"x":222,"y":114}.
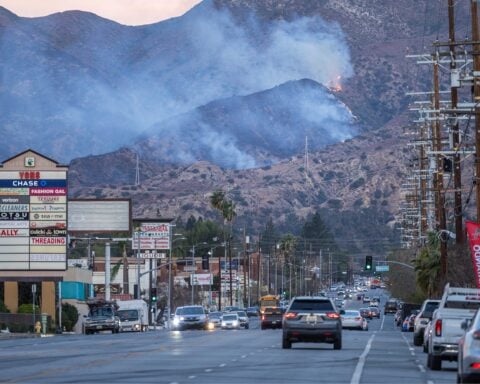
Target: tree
{"x":427,"y":266}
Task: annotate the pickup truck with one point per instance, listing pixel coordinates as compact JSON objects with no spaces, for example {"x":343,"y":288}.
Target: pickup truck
{"x":456,"y":305}
{"x":271,"y":318}
{"x":101,"y":317}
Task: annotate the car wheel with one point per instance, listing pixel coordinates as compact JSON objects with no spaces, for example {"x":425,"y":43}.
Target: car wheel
{"x":286,"y":344}
{"x":263,"y":327}
{"x":337,"y":344}
{"x":247,"y":326}
{"x":435,"y":363}
{"x":417,"y":340}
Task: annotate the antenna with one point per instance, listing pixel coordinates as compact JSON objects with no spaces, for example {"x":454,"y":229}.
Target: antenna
{"x":306,"y":156}
{"x":137,"y":172}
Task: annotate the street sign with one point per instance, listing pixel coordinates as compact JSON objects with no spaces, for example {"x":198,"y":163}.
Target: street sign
{"x":382,"y":268}
{"x":152,"y":255}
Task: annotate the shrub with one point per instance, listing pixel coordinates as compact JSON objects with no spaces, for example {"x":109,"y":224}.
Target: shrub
{"x":28,"y":308}
{"x":69,"y":316}
{"x":3,"y":308}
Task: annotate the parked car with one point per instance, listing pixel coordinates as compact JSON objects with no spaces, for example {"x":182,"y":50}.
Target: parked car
{"x":190,"y":317}
{"x":243,"y":318}
{"x":422,"y":319}
{"x":312,"y":319}
{"x":230,"y":320}
{"x":352,"y":319}
{"x":468,"y":367}
{"x":398,"y":318}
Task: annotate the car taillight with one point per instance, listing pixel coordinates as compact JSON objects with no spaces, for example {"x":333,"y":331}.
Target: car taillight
{"x":476,"y":335}
{"x":438,"y":327}
{"x":358,"y":318}
{"x":290,"y":315}
{"x":475,"y":365}
{"x":263,"y":317}
{"x":333,"y":315}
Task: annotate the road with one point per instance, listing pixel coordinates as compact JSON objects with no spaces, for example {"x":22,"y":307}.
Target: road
{"x":381,"y":355}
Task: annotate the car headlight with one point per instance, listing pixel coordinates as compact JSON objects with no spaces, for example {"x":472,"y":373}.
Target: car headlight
{"x":211,"y":326}
{"x":234,"y":323}
{"x":176,"y":321}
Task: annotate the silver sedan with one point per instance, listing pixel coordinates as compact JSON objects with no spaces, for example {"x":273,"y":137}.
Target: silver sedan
{"x":352,"y":319}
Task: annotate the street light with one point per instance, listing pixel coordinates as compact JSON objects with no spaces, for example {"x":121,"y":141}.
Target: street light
{"x":169,"y":301}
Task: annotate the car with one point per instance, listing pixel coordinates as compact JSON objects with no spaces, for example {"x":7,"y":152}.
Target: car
{"x":230,"y":320}
{"x":243,"y":318}
{"x":468,"y":367}
{"x":366,"y":299}
{"x":215,"y":318}
{"x":252,"y":311}
{"x":352,"y":319}
{"x":421,"y":321}
{"x":375,"y":312}
{"x":391,"y":306}
{"x":312,"y":319}
{"x":426,"y":335}
{"x":271,"y":318}
{"x":366,"y":312}
{"x":398,"y":318}
{"x":190,"y":317}
{"x":232,"y":309}
{"x":375,"y":302}
{"x":339,"y":303}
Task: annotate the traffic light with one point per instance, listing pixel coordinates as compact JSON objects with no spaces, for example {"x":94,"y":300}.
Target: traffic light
{"x":153,"y":294}
{"x":205,"y":262}
{"x":368,"y":263}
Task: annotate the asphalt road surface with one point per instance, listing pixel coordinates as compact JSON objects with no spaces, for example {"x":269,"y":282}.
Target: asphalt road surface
{"x":382,"y":354}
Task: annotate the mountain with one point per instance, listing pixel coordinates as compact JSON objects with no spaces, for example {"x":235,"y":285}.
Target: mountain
{"x":86,"y":85}
{"x":253,"y":130}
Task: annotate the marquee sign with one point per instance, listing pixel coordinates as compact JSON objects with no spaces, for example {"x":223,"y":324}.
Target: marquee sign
{"x":33,"y":214}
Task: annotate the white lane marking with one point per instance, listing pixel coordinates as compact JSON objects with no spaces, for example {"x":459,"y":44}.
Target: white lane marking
{"x":208,"y":370}
{"x":234,"y":359}
{"x":244,"y":356}
{"x":361,"y":362}
{"x":192,"y":377}
{"x":430,"y":382}
{"x":383,"y":321}
{"x":421,"y":368}
{"x":222,"y":365}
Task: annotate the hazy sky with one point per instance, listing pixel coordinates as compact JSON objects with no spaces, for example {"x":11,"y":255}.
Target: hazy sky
{"x":129,"y":12}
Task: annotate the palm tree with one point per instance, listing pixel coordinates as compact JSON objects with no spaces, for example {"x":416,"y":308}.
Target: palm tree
{"x":226,"y":207}
{"x":427,"y":266}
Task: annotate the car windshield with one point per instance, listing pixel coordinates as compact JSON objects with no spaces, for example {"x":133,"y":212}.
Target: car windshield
{"x":215,"y":315}
{"x":190,"y":311}
{"x":128,"y":314}
{"x":229,"y":317}
{"x":105,"y":311}
{"x":429,"y":308}
{"x":241,"y":314}
{"x":273,"y":311}
{"x":311,"y":305}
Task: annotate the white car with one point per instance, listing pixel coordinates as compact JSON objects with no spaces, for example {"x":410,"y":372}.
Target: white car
{"x":353,"y":319}
{"x":230,"y":321}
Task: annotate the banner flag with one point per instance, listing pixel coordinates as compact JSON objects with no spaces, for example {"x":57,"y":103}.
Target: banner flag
{"x":473,"y":231}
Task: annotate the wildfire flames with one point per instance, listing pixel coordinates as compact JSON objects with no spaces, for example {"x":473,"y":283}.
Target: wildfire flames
{"x":336,"y":85}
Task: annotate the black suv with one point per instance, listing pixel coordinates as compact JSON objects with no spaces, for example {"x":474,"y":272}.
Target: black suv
{"x":312,"y":319}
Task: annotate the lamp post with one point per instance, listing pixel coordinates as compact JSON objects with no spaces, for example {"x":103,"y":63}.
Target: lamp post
{"x":170,"y":285}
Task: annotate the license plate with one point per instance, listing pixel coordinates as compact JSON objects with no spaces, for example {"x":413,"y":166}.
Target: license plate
{"x":99,"y":327}
{"x":274,"y":322}
{"x":311,"y":318}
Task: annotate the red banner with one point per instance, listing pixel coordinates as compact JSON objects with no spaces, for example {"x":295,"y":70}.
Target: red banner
{"x":473,"y":231}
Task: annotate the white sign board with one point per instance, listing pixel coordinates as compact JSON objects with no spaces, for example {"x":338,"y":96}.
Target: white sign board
{"x":152,"y":236}
{"x":201,"y":279}
{"x":97,"y":216}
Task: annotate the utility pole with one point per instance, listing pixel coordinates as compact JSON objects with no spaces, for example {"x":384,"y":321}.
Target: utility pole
{"x":457,"y":174}
{"x":476,"y":98}
{"x":245,"y":266}
{"x":438,"y":179}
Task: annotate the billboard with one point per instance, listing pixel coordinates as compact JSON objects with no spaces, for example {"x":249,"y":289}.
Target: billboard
{"x":97,"y":216}
{"x":152,"y":236}
{"x":33,"y":221}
